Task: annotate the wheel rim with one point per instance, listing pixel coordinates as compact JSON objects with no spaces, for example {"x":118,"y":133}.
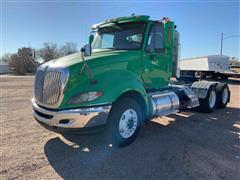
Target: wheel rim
{"x":212,"y":99}
{"x":128,"y":123}
{"x":225,"y":96}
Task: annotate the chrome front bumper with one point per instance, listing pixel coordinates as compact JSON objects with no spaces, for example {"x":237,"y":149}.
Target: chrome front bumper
{"x":72,"y":118}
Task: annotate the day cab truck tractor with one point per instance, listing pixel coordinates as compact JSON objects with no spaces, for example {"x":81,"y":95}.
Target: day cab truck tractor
{"x":120,"y":80}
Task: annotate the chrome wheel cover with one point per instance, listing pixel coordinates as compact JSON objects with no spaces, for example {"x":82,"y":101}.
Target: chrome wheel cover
{"x":128,"y":123}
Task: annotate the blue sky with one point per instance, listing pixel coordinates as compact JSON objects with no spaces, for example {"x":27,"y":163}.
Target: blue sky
{"x":200,"y":23}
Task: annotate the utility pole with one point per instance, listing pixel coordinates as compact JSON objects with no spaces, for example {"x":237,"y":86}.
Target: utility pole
{"x":221,"y":43}
{"x":226,"y":37}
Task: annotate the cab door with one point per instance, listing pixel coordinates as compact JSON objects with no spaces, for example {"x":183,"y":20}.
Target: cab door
{"x":156,"y":60}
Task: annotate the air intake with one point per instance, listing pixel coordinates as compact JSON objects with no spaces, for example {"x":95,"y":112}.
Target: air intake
{"x":49,"y":86}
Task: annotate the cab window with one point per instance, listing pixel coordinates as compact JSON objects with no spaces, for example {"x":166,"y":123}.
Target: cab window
{"x":155,"y":38}
{"x":107,"y":41}
{"x":123,"y":36}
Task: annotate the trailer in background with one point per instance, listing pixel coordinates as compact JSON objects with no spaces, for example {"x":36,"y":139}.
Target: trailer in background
{"x":212,"y":66}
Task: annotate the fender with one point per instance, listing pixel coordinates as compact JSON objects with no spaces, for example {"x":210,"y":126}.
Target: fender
{"x":200,"y":88}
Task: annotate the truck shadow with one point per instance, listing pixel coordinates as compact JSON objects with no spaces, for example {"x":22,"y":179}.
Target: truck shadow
{"x":182,"y":146}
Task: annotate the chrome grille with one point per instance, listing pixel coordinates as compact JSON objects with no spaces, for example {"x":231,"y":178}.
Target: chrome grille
{"x":38,"y":85}
{"x":49,"y":86}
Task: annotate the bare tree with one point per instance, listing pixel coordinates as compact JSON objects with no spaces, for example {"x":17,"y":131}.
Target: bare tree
{"x":6,"y":57}
{"x":68,"y":48}
{"x":49,"y":51}
{"x":21,"y":62}
{"x":16,"y":65}
{"x":25,"y":55}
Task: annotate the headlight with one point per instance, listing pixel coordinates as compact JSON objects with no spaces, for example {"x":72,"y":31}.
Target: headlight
{"x":84,"y":97}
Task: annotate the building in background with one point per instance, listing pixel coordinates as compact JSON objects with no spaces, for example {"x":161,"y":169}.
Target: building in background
{"x":4,"y":67}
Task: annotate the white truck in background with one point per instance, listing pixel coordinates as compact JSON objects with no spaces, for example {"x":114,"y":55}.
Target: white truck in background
{"x":212,"y":66}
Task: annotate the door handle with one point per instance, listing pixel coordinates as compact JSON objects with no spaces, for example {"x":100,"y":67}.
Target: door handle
{"x":167,"y":67}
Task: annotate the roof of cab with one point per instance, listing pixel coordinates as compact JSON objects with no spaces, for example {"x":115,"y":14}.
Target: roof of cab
{"x":132,"y":18}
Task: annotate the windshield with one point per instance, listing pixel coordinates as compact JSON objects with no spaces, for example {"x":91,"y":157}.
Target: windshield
{"x":127,"y":36}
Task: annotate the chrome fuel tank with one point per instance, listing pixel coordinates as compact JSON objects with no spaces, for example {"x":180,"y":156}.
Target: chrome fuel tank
{"x":164,"y":103}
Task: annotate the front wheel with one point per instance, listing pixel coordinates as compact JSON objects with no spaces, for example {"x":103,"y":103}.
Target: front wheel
{"x":124,"y":121}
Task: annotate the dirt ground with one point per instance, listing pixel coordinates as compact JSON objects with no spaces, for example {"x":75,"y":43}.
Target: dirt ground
{"x":188,"y":145}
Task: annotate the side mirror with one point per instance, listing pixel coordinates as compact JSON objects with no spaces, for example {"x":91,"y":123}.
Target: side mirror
{"x":168,"y":34}
{"x":90,"y":39}
{"x":86,"y":50}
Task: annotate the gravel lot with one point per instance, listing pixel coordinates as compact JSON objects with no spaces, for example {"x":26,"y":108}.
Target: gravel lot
{"x":187,"y":145}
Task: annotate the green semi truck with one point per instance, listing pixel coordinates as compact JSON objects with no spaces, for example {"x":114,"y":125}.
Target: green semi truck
{"x":119,"y":80}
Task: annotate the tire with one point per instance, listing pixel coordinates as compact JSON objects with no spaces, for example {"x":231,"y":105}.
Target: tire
{"x":223,"y":95}
{"x":208,"y":104}
{"x":124,"y":122}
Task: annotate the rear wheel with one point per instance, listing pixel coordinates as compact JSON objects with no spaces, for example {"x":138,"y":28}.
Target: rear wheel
{"x":223,"y":95}
{"x":208,"y":104}
{"x":124,"y":121}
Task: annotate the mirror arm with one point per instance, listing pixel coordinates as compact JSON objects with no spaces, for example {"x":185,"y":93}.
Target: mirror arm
{"x":85,"y":65}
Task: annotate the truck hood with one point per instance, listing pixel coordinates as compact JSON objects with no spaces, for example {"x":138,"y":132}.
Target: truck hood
{"x":76,"y":58}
